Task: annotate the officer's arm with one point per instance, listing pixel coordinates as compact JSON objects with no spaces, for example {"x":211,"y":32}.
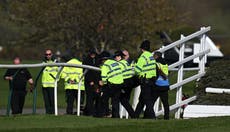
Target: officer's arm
{"x":31,"y":82}
{"x":139,"y":65}
{"x":104,"y":71}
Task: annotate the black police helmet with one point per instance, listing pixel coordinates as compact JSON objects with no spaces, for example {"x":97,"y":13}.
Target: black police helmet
{"x":145,"y":45}
{"x":92,"y":51}
{"x":119,"y":53}
{"x":105,"y":55}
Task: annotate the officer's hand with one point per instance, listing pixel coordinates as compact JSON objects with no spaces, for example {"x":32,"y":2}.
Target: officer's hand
{"x":101,"y":83}
{"x":91,"y":83}
{"x":31,"y":88}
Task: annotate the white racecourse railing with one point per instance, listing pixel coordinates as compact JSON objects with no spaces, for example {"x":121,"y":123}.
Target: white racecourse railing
{"x":61,"y":66}
{"x":176,"y":66}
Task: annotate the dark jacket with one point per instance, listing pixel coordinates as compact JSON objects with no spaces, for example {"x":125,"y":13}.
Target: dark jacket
{"x":91,"y":75}
{"x":21,"y":76}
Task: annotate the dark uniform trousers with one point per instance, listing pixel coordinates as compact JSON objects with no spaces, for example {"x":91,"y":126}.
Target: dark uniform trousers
{"x":71,"y":96}
{"x":92,"y":99}
{"x":113,"y":91}
{"x":48,"y":95}
{"x":128,"y":85}
{"x":162,"y":92}
{"x":17,"y":101}
{"x":145,"y":99}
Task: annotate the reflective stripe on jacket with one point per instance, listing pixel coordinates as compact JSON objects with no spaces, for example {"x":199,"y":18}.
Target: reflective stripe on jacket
{"x":146,"y":65}
{"x":72,"y":75}
{"x":160,"y":80}
{"x":111,"y":72}
{"x":127,"y":69}
{"x":49,"y":75}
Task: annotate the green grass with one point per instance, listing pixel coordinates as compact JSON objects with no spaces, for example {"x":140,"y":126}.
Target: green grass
{"x":45,"y":123}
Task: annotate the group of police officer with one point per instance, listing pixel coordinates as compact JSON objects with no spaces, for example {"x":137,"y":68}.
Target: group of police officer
{"x":118,"y":77}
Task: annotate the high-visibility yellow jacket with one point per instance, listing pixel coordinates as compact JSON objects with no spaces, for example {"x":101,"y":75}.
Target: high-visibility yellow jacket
{"x":146,"y":65}
{"x":111,"y":72}
{"x":48,"y":75}
{"x":127,"y":69}
{"x":162,"y":81}
{"x":72,"y":75}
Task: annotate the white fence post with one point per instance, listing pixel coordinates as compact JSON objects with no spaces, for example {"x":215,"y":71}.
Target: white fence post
{"x":179,"y":79}
{"x":79,"y":93}
{"x":55,"y":90}
{"x":203,"y":57}
{"x":157,"y":105}
{"x":136,"y":95}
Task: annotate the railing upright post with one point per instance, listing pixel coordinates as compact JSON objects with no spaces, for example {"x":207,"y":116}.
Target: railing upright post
{"x":202,"y":48}
{"x":136,"y":95}
{"x":180,"y":79}
{"x":55,"y":91}
{"x":79,"y":93}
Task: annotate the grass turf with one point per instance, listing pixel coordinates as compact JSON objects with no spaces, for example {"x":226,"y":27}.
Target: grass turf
{"x":46,"y":123}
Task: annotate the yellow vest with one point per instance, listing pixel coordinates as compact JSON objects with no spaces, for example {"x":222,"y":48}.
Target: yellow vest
{"x":146,"y":65}
{"x":49,"y":75}
{"x":111,"y":72}
{"x":127,"y":69}
{"x":72,"y":75}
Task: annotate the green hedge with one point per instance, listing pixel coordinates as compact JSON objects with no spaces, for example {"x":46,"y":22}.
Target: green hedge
{"x":217,"y":76}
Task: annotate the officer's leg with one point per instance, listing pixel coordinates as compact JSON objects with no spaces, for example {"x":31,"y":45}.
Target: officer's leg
{"x":51,"y":100}
{"x":82,"y":100}
{"x":22,"y":95}
{"x":104,"y":107}
{"x":97,"y":104}
{"x":90,"y":101}
{"x":139,"y":107}
{"x":124,"y":99}
{"x":164,"y":99}
{"x":15,"y":103}
{"x":70,"y":100}
{"x":147,"y":99}
{"x":46,"y":100}
{"x":115,"y":100}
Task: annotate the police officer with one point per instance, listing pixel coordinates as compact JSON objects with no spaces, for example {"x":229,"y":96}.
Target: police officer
{"x":112,"y":77}
{"x":128,"y":84}
{"x":18,"y":79}
{"x":48,"y":78}
{"x":146,"y":70}
{"x":71,"y":76}
{"x":162,"y":83}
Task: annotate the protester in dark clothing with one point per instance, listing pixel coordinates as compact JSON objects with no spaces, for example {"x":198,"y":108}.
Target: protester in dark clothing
{"x":18,"y":79}
{"x":91,"y":83}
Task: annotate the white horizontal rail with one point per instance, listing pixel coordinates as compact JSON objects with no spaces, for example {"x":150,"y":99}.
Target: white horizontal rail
{"x":186,"y":69}
{"x":175,"y":106}
{"x":187,"y":80}
{"x":188,"y":59}
{"x":49,"y":64}
{"x":185,"y":39}
{"x":217,"y":90}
